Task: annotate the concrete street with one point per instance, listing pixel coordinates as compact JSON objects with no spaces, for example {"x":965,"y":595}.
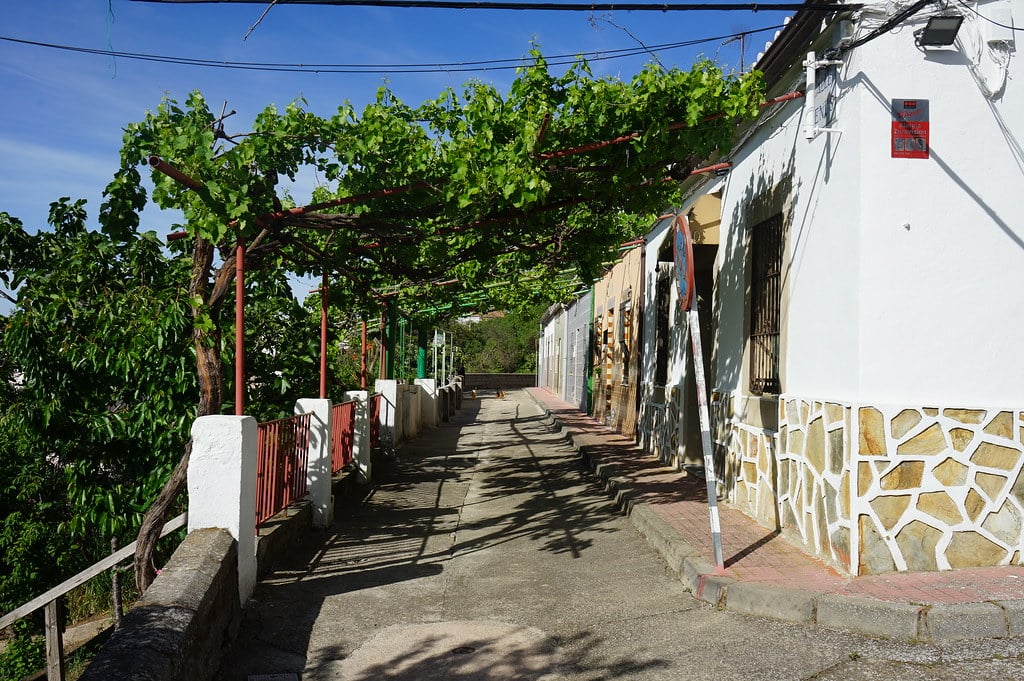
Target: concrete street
{"x":490,"y":554}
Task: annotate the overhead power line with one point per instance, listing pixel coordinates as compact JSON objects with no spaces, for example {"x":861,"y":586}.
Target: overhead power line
{"x":439,"y":67}
{"x":559,"y":6}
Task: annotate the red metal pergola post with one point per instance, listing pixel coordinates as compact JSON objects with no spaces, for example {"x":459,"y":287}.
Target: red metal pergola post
{"x":240,"y":327}
{"x":323,"y":337}
{"x":362,"y":368}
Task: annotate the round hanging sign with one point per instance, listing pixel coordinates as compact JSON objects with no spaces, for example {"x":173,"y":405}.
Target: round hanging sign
{"x":682,"y":248}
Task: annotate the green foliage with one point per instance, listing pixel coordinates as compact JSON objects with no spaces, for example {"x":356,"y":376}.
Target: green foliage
{"x":98,"y":374}
{"x":505,"y":344}
{"x":472,"y":186}
{"x":25,"y":652}
{"x":503,"y":199}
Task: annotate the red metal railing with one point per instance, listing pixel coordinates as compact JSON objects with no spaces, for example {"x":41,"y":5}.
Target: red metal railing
{"x":374,"y":421}
{"x":343,"y":431}
{"x":283,"y":447}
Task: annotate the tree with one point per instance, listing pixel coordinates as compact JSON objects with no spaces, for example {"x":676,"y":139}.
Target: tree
{"x":98,"y":387}
{"x":466,"y":189}
{"x":506,"y":344}
{"x":96,"y":371}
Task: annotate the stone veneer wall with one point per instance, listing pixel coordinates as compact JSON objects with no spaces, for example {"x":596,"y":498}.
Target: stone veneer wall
{"x":939,"y":488}
{"x":814,"y":474}
{"x":658,"y":432}
{"x":797,"y":478}
{"x":873,"y":489}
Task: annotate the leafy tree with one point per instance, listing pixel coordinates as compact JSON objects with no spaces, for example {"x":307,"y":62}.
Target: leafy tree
{"x":468,"y":188}
{"x":96,"y":372}
{"x":98,"y":389}
{"x":503,"y":344}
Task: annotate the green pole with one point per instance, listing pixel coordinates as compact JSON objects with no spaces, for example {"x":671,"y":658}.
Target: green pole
{"x":401,"y":345}
{"x":421,"y":353}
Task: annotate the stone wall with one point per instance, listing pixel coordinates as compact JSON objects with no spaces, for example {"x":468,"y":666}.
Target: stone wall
{"x":814,"y":474}
{"x":939,"y":488}
{"x":502,"y":381}
{"x":278,"y":537}
{"x":874,"y":489}
{"x":179,"y":628}
{"x":658,"y":432}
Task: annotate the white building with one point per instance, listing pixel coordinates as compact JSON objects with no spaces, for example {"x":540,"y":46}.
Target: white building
{"x":860,"y":279}
{"x":868,"y":307}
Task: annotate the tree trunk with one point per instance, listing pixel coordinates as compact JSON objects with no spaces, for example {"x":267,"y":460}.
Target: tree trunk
{"x":211,"y":389}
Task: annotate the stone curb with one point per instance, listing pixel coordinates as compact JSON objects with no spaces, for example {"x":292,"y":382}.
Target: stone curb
{"x":903,"y":621}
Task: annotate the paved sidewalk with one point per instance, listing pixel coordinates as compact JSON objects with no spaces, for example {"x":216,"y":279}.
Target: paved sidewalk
{"x":767,"y":575}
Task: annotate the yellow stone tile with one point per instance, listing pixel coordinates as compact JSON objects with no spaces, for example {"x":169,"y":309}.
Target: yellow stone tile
{"x":796,"y":443}
{"x":904,"y":422}
{"x":749,"y":472}
{"x":930,"y":441}
{"x":970,"y":549}
{"x":974,"y":505}
{"x":992,"y":485}
{"x":865,"y":476}
{"x":872,"y":432}
{"x":889,"y":509}
{"x":951,"y":473}
{"x":940,"y":506}
{"x":1001,"y":425}
{"x":917,"y":542}
{"x":906,"y":475}
{"x":961,"y":438}
{"x":973,"y":416}
{"x":995,"y":456}
{"x":844,"y":495}
{"x":815,"y":451}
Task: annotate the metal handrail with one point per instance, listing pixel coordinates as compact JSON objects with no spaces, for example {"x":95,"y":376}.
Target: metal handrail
{"x":49,"y":599}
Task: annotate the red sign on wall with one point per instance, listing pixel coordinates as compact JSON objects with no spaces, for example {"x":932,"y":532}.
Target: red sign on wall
{"x":909,"y":128}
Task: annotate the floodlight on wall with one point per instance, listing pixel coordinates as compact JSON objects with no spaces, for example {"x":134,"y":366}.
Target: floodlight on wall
{"x":940,"y":31}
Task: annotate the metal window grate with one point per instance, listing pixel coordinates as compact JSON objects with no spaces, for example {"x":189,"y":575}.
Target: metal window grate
{"x":765,"y":305}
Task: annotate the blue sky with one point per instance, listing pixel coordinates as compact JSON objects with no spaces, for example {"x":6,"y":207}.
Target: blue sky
{"x":60,"y":125}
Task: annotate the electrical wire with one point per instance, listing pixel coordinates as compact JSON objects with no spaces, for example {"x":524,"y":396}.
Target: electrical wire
{"x":569,"y":6}
{"x":991,"y":21}
{"x":442,"y":67}
{"x":882,"y":29}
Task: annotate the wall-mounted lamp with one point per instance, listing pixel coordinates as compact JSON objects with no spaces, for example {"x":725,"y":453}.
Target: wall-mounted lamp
{"x":940,"y":31}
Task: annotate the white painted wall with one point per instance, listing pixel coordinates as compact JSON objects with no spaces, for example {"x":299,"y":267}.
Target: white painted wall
{"x":653,"y":242}
{"x":318,"y":459}
{"x":903,"y":276}
{"x":362,"y":455}
{"x":428,"y":401}
{"x":578,"y":328}
{"x":222,"y":486}
{"x":942,"y":260}
{"x":552,"y":346}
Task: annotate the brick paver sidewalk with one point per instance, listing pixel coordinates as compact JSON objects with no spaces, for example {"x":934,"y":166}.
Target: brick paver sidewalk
{"x":755,"y":554}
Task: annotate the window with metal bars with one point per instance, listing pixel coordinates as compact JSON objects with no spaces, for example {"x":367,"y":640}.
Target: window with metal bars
{"x":765,"y":305}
